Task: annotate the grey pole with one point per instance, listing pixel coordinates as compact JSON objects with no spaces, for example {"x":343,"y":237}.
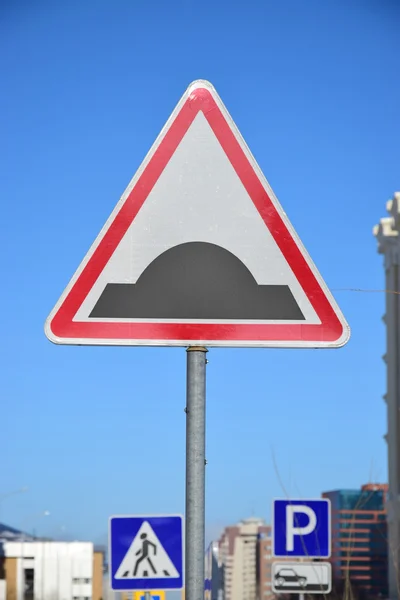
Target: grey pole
{"x":195,"y":472}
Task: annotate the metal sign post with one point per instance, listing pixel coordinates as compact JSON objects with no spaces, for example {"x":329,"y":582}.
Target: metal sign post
{"x":195,"y":472}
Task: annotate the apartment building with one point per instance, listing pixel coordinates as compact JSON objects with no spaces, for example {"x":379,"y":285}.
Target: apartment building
{"x":359,"y":539}
{"x":264,"y":565}
{"x":245,"y":561}
{"x":237,"y":551}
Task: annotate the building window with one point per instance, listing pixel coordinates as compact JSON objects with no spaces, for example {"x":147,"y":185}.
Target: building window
{"x":360,"y":573}
{"x":355,"y":535}
{"x":359,"y":516}
{"x":350,"y":544}
{"x":364,"y":500}
{"x":29,"y":584}
{"x":353,"y":525}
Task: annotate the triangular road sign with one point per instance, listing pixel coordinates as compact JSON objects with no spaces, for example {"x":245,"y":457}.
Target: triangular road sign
{"x":146,"y":558}
{"x":198,"y":251}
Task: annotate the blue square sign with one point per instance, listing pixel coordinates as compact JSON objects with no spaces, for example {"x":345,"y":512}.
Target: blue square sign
{"x":146,"y":553}
{"x":301,"y":528}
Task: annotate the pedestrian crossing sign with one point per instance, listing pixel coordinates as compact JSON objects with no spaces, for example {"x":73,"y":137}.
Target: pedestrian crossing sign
{"x":146,"y":553}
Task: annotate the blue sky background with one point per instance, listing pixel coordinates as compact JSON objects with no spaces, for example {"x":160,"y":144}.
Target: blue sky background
{"x":86,"y":86}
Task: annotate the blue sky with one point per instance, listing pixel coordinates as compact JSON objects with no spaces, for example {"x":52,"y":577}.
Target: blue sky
{"x":313,"y":86}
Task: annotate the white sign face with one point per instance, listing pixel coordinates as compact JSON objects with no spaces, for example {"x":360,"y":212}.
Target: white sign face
{"x":301,"y":577}
{"x":146,"y":557}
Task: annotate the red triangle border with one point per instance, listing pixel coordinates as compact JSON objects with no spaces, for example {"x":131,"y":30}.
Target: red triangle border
{"x":62,"y":326}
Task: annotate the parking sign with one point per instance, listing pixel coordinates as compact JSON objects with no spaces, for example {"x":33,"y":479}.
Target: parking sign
{"x":302,"y":528}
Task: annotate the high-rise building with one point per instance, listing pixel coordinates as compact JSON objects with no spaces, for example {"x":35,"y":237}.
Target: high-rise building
{"x":359,"y":539}
{"x":238,"y":558}
{"x":264,"y":565}
{"x":245,"y":561}
{"x":388,"y":238}
{"x":212,"y":582}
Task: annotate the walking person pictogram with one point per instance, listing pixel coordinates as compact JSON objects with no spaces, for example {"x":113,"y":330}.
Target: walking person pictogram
{"x":146,"y":558}
{"x":143,"y":554}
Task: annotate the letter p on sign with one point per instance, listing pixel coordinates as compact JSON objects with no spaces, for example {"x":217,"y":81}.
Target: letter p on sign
{"x":291,"y":523}
{"x":301,"y":528}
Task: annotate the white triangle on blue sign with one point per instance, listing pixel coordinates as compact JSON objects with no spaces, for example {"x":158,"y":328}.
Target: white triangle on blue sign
{"x":146,"y":558}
